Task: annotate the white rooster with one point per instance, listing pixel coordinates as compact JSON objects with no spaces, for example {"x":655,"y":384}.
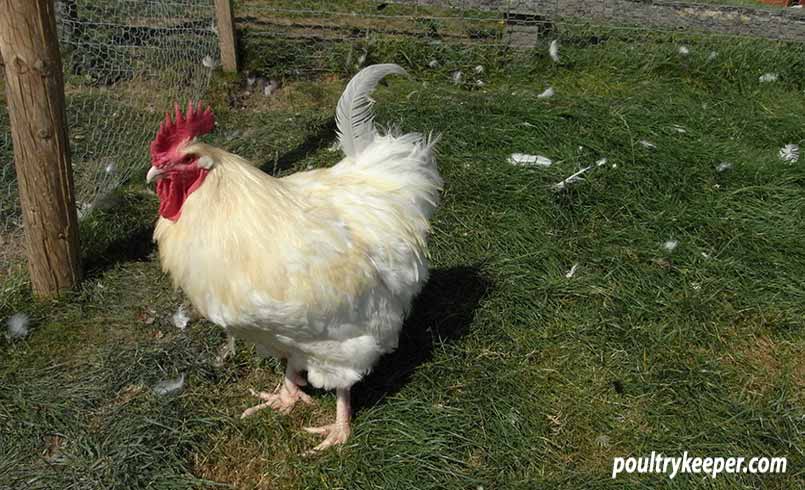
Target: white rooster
{"x":318,"y":268}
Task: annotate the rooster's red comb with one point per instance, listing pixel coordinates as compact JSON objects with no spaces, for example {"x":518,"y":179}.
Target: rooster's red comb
{"x":172,"y":133}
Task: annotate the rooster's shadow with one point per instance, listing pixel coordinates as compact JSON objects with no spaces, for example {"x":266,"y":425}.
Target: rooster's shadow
{"x":442,"y":313}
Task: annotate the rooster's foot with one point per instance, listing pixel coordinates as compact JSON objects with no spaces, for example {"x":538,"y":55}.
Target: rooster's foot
{"x":336,"y":433}
{"x":282,"y":400}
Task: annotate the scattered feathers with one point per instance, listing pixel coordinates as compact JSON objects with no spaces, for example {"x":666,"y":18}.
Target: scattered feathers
{"x":208,"y":62}
{"x":18,"y":325}
{"x":361,"y":59}
{"x":768,"y":77}
{"x":789,"y":153}
{"x":270,"y":87}
{"x":577,"y":176}
{"x":553,"y":50}
{"x":525,"y":160}
{"x":548,"y":92}
{"x":180,"y":318}
{"x":169,"y":386}
{"x":723,"y":166}
{"x":83,"y":209}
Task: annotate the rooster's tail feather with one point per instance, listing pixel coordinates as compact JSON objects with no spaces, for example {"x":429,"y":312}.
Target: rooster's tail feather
{"x":354,"y":116}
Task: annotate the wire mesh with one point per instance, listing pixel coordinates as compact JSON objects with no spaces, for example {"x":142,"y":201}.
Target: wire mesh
{"x":124,"y":62}
{"x":493,"y":20}
{"x":285,"y":38}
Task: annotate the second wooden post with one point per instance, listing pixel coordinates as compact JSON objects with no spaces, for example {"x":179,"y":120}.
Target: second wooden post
{"x":226,"y":35}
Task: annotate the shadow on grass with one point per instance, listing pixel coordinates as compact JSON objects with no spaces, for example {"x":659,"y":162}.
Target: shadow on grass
{"x":323,"y":135}
{"x":442,"y":312}
{"x":120,"y":230}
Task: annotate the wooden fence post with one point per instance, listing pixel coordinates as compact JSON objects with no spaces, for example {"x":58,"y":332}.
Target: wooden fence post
{"x":35,"y":98}
{"x":226,"y":35}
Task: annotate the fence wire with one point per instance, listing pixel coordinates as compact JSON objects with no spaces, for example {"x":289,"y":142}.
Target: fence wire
{"x":286,"y":38}
{"x":125,"y":62}
{"x":498,"y":20}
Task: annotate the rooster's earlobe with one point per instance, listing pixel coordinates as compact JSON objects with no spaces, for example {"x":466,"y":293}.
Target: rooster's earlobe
{"x":206,"y":162}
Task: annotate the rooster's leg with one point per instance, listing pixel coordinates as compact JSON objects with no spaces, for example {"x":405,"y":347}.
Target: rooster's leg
{"x":336,"y":433}
{"x":284,"y":397}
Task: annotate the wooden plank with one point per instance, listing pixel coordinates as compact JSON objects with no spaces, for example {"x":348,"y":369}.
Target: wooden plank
{"x":35,"y":98}
{"x":226,"y":35}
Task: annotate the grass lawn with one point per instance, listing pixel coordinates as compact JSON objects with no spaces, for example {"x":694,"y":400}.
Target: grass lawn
{"x":509,"y":374}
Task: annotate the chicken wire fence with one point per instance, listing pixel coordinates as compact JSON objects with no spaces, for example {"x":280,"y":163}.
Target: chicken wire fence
{"x":517,"y":23}
{"x":124,"y":62}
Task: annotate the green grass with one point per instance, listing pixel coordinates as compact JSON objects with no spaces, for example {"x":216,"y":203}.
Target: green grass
{"x":509,"y":373}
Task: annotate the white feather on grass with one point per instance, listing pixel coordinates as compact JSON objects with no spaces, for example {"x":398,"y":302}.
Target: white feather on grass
{"x":270,"y":87}
{"x":684,"y":51}
{"x":577,"y":176}
{"x":723,"y":166}
{"x":572,"y":272}
{"x":768,"y":77}
{"x":208,"y":62}
{"x":169,"y":386}
{"x":713,"y":55}
{"x":553,"y":50}
{"x":478,"y":69}
{"x":648,"y":144}
{"x":670,"y":245}
{"x":526,"y":160}
{"x":456,"y":77}
{"x":83,"y":209}
{"x":180,"y":318}
{"x":789,"y":153}
{"x":433,"y":64}
{"x":548,"y":92}
{"x":354,"y":116}
{"x":18,"y":325}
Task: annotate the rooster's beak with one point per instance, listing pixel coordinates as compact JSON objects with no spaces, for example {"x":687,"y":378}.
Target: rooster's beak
{"x":153,"y":174}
